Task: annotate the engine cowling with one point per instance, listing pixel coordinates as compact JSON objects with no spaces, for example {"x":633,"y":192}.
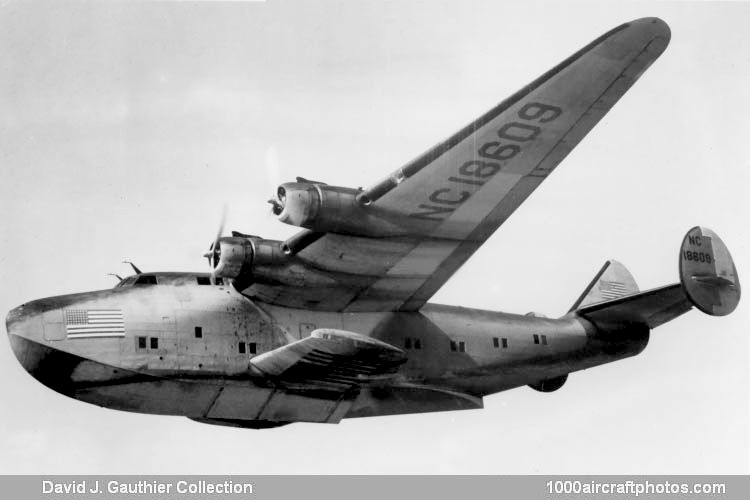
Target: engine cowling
{"x":323,"y":208}
{"x":315,"y":206}
{"x":235,"y":257}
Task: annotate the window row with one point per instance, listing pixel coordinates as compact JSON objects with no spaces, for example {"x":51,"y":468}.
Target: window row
{"x":497,"y":343}
{"x":412,"y":343}
{"x":458,"y":346}
{"x":251,"y":347}
{"x":142,"y":343}
{"x":543,"y":338}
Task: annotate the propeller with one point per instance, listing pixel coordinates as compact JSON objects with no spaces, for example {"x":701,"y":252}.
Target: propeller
{"x":214,"y":251}
{"x":273,"y":176}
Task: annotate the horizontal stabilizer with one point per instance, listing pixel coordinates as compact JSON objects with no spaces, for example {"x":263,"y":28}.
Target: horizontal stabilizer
{"x":652,"y":307}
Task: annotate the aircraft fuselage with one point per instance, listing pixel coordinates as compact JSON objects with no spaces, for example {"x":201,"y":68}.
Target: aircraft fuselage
{"x":183,"y":348}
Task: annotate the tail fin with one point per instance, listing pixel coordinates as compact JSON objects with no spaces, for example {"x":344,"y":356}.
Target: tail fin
{"x":707,"y":272}
{"x":708,"y":281}
{"x":613,"y":281}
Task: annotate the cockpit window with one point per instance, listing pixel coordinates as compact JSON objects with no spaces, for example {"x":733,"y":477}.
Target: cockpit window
{"x":127,"y":282}
{"x":206,"y":280}
{"x":168,"y":279}
{"x":145,"y":279}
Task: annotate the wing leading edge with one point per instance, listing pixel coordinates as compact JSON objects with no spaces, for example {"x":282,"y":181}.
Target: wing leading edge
{"x":453,"y":197}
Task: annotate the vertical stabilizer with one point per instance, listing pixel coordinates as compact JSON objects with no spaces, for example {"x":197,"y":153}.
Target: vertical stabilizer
{"x":611,"y":282}
{"x":707,"y":272}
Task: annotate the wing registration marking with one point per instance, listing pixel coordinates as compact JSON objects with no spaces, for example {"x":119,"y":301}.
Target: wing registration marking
{"x":474,"y":173}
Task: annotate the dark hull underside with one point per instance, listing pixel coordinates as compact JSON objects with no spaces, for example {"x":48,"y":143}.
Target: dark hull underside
{"x":223,"y":401}
{"x":251,"y":402}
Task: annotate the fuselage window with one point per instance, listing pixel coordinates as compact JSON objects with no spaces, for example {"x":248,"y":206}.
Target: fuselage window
{"x":495,"y":342}
{"x":412,"y":343}
{"x":242,"y":347}
{"x":198,"y":332}
{"x":544,"y":340}
{"x":461,"y":347}
{"x":140,"y":342}
{"x":453,"y":345}
{"x":253,"y":347}
{"x":505,"y":343}
{"x":154,"y":343}
{"x":145,"y":279}
{"x":536,"y":338}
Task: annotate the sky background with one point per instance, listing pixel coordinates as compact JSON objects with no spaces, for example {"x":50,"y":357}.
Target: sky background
{"x":124,"y":128}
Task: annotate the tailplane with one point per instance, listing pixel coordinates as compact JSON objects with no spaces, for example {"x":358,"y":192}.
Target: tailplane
{"x":708,"y":281}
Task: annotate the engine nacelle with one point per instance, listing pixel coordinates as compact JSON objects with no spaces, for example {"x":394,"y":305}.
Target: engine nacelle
{"x":323,"y":208}
{"x":236,"y":256}
{"x":315,"y":206}
{"x":549,"y":384}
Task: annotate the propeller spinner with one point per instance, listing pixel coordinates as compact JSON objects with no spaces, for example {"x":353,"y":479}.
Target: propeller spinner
{"x":278,"y":202}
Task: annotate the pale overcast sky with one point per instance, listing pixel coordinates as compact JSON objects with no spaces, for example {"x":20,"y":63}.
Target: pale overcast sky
{"x":126,"y":126}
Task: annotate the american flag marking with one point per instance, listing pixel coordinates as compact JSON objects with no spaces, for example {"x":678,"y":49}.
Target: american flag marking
{"x":612,"y":289}
{"x":86,"y":323}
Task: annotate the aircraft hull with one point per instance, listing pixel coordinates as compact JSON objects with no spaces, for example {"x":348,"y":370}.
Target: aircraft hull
{"x":462,"y":355}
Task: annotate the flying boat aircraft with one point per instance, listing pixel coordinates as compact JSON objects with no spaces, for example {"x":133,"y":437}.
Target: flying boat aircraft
{"x":335,"y":322}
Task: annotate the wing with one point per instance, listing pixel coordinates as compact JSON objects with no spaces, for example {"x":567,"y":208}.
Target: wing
{"x":454,"y":196}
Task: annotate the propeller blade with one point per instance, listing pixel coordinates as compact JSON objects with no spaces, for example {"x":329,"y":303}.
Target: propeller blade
{"x":214,"y":248}
{"x":221,"y":227}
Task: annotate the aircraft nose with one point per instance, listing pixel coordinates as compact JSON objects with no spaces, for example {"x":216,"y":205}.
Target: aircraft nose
{"x":36,"y":320}
{"x":46,"y":364}
{"x":22,"y":323}
{"x":13,"y":317}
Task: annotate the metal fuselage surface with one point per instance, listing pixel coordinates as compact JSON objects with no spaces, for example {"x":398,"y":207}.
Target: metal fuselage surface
{"x":186,"y":347}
